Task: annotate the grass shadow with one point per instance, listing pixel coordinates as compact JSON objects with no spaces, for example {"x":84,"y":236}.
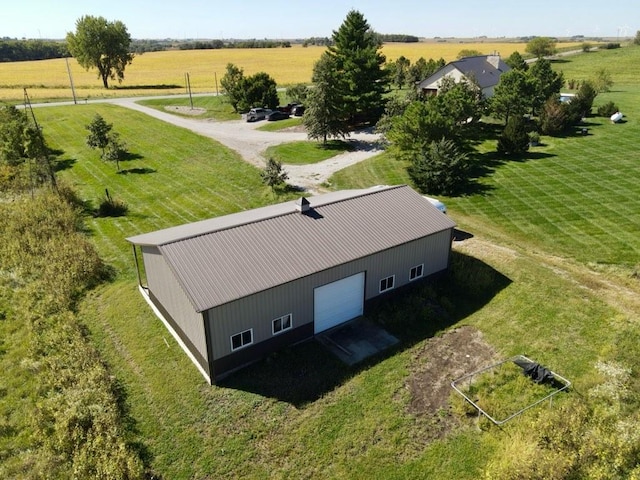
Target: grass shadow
{"x":302,"y":373}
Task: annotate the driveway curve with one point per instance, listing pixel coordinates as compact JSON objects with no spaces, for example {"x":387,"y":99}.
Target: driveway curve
{"x":250,"y":144}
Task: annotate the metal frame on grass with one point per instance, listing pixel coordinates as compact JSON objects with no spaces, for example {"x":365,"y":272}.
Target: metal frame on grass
{"x":566,"y":384}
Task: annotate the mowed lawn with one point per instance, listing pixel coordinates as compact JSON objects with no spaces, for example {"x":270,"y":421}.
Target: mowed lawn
{"x":260,"y":424}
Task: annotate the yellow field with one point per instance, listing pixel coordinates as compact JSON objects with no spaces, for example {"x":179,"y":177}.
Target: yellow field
{"x":164,"y":72}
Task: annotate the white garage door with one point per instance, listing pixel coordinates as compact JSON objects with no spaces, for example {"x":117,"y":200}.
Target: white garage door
{"x":338,"y":302}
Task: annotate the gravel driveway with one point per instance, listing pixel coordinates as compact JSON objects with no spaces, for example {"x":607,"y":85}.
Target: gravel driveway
{"x":250,"y":143}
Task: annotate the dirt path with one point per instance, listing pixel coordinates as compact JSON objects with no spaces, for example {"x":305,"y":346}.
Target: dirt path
{"x":250,"y":144}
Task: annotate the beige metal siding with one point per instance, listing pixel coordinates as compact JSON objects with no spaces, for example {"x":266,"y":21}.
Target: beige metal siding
{"x":164,"y":286}
{"x":257,"y":311}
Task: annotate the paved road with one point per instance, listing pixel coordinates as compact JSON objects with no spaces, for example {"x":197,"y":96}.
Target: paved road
{"x":250,"y":143}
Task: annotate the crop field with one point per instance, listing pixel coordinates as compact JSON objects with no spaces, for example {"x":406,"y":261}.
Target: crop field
{"x":156,"y":73}
{"x":550,"y":270}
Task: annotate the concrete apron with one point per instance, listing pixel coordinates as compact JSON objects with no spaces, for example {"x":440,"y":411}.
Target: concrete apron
{"x":356,"y":340}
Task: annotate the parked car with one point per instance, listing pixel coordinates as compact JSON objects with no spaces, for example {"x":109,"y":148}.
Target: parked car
{"x":287,"y":108}
{"x":298,"y":110}
{"x":436,"y":203}
{"x":257,"y":114}
{"x":277,"y":115}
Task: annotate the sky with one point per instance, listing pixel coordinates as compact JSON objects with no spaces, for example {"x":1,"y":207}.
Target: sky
{"x":291,"y":19}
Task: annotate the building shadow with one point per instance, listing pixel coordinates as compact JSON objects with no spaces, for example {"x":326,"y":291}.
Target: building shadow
{"x":302,"y":373}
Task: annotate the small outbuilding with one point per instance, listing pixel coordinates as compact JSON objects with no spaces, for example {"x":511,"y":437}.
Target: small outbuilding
{"x":234,"y":288}
{"x":485,"y":70}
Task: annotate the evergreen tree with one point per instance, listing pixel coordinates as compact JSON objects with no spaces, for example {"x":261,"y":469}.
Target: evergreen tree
{"x":324,"y":116}
{"x":514,"y":139}
{"x":359,"y":64}
{"x":441,"y":168}
{"x":545,"y":83}
{"x":273,"y":175}
{"x":399,"y":71}
{"x":516,"y":62}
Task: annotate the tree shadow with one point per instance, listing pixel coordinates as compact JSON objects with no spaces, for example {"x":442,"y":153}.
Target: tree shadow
{"x":129,"y":156}
{"x":302,"y":373}
{"x":64,"y":164}
{"x":137,"y":171}
{"x":146,"y":87}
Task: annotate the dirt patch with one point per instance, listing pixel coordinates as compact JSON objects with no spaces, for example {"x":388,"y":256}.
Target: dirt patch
{"x":195,"y":111}
{"x":442,"y":360}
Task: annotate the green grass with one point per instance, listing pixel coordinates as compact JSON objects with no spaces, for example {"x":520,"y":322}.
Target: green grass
{"x":280,"y":124}
{"x":300,"y":413}
{"x":305,"y":153}
{"x":215,"y":107}
{"x":576,"y":197}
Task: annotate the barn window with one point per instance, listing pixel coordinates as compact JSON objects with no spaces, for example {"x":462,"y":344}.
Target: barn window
{"x":242,"y":339}
{"x":416,"y":272}
{"x":387,"y":283}
{"x":281,"y":324}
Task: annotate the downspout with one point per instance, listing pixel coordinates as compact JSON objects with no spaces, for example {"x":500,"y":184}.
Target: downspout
{"x":135,"y":259}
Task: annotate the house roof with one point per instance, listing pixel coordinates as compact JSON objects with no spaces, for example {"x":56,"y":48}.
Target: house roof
{"x":225,"y":258}
{"x":485,"y":69}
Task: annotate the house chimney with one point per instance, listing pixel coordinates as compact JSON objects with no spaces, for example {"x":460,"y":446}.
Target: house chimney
{"x":494,"y":60}
{"x":302,"y":205}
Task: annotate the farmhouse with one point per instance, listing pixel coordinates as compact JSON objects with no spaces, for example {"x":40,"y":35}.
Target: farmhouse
{"x":485,"y":70}
{"x":233,"y":288}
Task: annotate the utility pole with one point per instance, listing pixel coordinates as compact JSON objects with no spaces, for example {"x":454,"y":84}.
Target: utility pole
{"x":73,"y":90}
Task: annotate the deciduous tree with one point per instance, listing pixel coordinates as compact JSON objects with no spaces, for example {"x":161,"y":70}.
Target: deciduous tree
{"x":98,"y":43}
{"x":468,"y":52}
{"x":298,"y":93}
{"x":602,"y":81}
{"x":231,"y":82}
{"x":541,"y":47}
{"x":99,"y":131}
{"x":513,"y":95}
{"x":259,"y":90}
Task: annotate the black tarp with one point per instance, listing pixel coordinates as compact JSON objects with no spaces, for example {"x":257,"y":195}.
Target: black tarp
{"x":537,"y":372}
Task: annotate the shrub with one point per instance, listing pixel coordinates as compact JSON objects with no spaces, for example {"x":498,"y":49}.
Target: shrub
{"x":607,"y":109}
{"x":110,"y":207}
{"x":610,"y":46}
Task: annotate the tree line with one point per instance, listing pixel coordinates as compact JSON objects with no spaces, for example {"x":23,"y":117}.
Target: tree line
{"x":12,"y":50}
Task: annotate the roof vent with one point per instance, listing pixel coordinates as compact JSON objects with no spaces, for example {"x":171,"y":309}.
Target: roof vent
{"x":302,"y":205}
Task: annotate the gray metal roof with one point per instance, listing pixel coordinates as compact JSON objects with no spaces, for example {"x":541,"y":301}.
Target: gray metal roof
{"x":226,"y":258}
{"x":478,"y":67}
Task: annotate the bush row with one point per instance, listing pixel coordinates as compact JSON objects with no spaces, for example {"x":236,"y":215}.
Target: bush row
{"x":79,"y":427}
